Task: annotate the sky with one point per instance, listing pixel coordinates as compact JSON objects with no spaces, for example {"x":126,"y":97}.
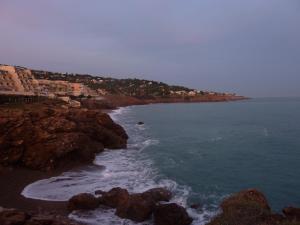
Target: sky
{"x":248,"y":47}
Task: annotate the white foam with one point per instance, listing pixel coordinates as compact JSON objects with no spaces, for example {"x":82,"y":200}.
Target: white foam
{"x":115,"y":114}
{"x":107,"y":217}
{"x":127,"y":168}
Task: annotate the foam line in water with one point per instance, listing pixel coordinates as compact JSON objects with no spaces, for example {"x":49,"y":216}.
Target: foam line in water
{"x":128,"y":168}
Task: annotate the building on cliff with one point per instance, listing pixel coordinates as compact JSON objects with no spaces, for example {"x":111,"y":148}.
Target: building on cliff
{"x":20,"y":81}
{"x":17,"y":80}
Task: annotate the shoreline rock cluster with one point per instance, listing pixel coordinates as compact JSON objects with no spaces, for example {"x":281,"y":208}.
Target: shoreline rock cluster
{"x":248,"y":207}
{"x":137,"y":207}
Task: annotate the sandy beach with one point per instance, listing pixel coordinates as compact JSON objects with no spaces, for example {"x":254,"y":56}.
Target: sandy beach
{"x":13,"y":181}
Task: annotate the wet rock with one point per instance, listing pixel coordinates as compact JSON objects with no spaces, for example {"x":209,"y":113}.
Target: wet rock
{"x":13,"y":217}
{"x":292,"y":213}
{"x":99,"y":192}
{"x":83,"y":201}
{"x":114,"y":197}
{"x":195,"y":206}
{"x":140,"y":123}
{"x":41,"y":219}
{"x":171,"y":214}
{"x":138,"y":207}
{"x":158,"y":194}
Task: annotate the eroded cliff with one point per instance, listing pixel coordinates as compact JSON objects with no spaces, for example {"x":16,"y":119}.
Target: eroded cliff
{"x":46,"y":136}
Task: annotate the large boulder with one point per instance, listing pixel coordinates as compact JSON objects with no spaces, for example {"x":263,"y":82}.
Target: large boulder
{"x":83,"y":201}
{"x":47,"y":136}
{"x":137,"y":208}
{"x":248,"y":196}
{"x":158,"y":194}
{"x":171,"y":214}
{"x":292,"y":213}
{"x":249,"y":207}
{"x":115,"y":197}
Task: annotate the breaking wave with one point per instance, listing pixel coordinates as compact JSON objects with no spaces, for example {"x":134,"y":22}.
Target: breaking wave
{"x":127,"y":168}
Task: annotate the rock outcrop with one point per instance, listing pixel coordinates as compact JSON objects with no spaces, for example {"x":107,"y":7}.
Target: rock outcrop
{"x":250,"y":207}
{"x":18,"y":217}
{"x":171,"y":214}
{"x":45,"y":136}
{"x":292,"y":213}
{"x":83,"y":201}
{"x":115,"y":197}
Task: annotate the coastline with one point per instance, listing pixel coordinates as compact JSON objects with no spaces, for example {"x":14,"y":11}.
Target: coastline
{"x":15,"y":179}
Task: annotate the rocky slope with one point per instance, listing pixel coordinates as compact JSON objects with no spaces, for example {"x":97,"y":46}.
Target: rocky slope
{"x":48,"y":135}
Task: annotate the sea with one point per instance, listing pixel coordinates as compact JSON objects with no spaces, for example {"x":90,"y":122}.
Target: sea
{"x":202,"y":152}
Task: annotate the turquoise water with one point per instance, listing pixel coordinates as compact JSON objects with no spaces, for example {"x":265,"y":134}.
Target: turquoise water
{"x":201,"y":152}
{"x":220,"y":148}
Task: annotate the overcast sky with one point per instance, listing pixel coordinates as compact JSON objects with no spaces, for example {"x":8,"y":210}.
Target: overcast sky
{"x":250,"y":47}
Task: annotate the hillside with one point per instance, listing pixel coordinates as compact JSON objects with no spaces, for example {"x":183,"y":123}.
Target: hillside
{"x":129,"y":87}
{"x":20,"y":81}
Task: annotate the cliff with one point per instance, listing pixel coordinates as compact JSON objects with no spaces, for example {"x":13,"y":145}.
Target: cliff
{"x":49,"y":135}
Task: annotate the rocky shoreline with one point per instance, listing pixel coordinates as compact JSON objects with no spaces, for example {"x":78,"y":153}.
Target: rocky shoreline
{"x":66,"y":135}
{"x":43,"y":139}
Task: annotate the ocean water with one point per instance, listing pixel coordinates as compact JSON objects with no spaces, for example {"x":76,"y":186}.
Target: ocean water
{"x":202,"y":152}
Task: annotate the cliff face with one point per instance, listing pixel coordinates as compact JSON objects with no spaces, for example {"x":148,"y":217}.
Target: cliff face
{"x":45,"y":136}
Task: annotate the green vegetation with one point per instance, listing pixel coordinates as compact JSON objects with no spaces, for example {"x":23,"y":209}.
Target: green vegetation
{"x":130,"y":87}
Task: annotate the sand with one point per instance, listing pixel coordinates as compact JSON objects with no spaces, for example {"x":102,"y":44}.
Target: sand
{"x":13,"y":181}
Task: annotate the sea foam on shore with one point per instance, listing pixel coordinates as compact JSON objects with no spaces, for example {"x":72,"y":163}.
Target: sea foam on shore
{"x":127,"y":168}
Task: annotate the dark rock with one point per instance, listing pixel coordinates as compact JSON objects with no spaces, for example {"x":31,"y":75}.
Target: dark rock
{"x":250,"y":196}
{"x":158,"y":194}
{"x":274,"y":219}
{"x":18,"y":217}
{"x":171,"y":214}
{"x":114,"y":197}
{"x":248,"y":207}
{"x":99,"y":192}
{"x":292,"y":213}
{"x":13,"y":217}
{"x":83,"y":201}
{"x":196,"y":206}
{"x":140,"y":123}
{"x":137,"y":208}
{"x":41,"y":219}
